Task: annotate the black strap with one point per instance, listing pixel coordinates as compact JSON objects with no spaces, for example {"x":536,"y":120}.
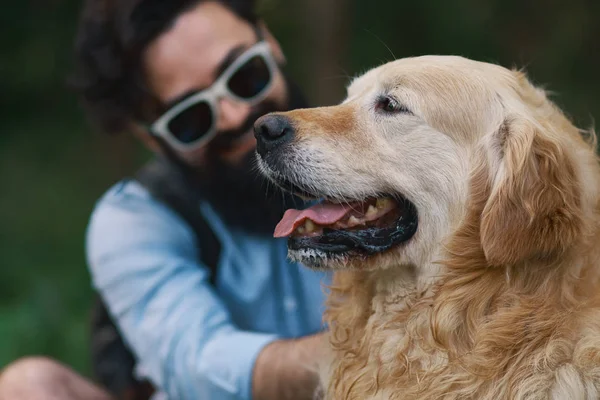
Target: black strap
{"x":167,"y":183}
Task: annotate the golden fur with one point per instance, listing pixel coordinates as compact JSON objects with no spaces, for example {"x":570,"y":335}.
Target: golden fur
{"x":498,"y":294}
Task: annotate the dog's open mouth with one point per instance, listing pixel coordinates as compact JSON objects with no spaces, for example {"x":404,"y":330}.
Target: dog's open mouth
{"x":362,"y":227}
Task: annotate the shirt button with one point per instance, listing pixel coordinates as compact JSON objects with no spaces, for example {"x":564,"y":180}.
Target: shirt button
{"x":290,"y":304}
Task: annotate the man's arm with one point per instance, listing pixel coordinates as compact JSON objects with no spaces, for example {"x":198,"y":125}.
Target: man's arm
{"x":287,"y":370}
{"x":144,"y":261}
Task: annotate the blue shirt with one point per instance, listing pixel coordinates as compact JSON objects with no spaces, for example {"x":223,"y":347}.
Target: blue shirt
{"x":193,"y":340}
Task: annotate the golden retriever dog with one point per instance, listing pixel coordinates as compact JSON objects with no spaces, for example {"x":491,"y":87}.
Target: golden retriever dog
{"x":461,"y":214}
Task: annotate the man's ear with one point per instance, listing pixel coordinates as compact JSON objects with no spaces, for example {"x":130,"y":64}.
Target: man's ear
{"x":534,"y":210}
{"x":275,"y":46}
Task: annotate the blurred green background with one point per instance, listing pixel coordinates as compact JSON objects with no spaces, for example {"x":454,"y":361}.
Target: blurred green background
{"x":53,"y":166}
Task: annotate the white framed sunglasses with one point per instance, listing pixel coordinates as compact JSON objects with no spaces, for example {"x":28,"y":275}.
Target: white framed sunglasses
{"x":191,"y":123}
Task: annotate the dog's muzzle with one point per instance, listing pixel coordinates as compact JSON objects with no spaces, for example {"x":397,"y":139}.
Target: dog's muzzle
{"x":272,"y":131}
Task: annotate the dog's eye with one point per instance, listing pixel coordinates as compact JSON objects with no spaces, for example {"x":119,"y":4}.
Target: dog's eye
{"x":390,"y":105}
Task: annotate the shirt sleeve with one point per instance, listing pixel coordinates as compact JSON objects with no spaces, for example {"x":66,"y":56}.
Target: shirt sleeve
{"x":144,"y":261}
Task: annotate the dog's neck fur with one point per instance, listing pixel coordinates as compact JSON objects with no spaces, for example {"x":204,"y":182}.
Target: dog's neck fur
{"x":385,"y":321}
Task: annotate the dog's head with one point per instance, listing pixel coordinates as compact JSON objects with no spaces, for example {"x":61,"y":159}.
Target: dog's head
{"x":417,"y":143}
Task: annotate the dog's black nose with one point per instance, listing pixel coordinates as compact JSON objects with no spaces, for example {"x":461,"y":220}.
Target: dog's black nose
{"x":272,"y":130}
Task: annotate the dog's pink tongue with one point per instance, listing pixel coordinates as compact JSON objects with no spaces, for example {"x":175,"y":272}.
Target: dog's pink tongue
{"x":322,"y":214}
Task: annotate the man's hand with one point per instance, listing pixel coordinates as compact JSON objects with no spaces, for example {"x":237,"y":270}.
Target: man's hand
{"x":287,"y":369}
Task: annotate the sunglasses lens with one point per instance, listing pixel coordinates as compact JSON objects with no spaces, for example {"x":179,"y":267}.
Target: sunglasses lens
{"x":193,"y":123}
{"x":251,"y":79}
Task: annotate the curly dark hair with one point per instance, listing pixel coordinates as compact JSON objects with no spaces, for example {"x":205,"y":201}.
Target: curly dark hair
{"x":111,"y":37}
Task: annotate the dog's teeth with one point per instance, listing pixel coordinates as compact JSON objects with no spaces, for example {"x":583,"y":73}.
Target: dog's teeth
{"x":353,"y":221}
{"x":309,"y":226}
{"x":371,"y":212}
{"x":301,"y":229}
{"x":383,"y":203}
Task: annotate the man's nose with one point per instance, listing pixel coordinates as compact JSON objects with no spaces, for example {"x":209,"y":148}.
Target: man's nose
{"x":271,"y":131}
{"x":232,"y":114}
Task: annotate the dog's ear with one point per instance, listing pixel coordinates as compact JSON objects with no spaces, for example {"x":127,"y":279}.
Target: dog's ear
{"x":534,"y":208}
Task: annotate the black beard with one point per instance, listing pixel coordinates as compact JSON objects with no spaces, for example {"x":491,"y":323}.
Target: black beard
{"x":243,"y":198}
{"x":240,"y":195}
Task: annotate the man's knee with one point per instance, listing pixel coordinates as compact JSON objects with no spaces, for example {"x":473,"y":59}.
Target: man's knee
{"x":31,"y":369}
{"x":30,"y":375}
{"x":40,"y":378}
